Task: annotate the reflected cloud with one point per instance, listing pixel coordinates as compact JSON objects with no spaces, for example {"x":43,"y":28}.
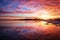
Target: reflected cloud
{"x":29,"y":29}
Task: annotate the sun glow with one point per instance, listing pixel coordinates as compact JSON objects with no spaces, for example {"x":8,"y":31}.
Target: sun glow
{"x":44,"y":14}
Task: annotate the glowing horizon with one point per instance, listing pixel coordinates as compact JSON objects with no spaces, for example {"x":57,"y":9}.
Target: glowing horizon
{"x":38,"y":9}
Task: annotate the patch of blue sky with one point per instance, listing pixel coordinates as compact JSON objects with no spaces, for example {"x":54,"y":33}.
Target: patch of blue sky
{"x":12,"y":8}
{"x":15,"y":5}
{"x":8,"y":1}
{"x":25,"y":8}
{"x":0,"y":5}
{"x":5,"y":3}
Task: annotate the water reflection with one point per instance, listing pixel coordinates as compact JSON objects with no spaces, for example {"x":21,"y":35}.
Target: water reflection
{"x":29,"y":29}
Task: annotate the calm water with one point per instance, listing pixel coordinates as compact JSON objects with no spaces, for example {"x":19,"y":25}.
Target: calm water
{"x":29,"y":30}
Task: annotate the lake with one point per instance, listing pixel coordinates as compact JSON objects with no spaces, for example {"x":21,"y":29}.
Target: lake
{"x":29,"y":30}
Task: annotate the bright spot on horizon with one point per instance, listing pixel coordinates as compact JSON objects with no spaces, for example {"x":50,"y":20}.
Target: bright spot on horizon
{"x":44,"y":14}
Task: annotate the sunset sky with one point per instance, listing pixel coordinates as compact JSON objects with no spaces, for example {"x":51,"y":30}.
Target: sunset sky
{"x":17,"y":9}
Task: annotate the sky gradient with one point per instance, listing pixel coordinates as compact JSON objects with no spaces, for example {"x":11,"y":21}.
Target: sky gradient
{"x":29,"y":8}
